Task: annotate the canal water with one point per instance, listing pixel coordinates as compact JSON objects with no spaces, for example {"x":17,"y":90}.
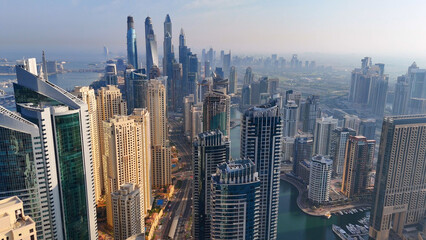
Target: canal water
{"x":292,"y":222}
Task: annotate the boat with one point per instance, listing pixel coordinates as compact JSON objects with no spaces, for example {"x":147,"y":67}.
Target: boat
{"x":341,"y":233}
{"x":327,"y":215}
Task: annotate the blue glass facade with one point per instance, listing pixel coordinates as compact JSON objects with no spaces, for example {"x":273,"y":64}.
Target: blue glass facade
{"x":18,"y":172}
{"x":211,"y":149}
{"x":132,"y":50}
{"x":261,"y":135}
{"x":71,"y":171}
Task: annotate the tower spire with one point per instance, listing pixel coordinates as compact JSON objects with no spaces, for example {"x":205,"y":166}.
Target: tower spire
{"x":44,"y":67}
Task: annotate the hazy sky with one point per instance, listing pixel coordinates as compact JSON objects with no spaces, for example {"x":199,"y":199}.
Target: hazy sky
{"x":361,"y":27}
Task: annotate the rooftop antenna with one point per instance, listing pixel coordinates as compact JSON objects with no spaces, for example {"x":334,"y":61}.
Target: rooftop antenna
{"x":44,"y":68}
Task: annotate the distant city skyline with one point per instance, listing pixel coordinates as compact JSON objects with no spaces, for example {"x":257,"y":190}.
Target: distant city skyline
{"x":249,"y":26}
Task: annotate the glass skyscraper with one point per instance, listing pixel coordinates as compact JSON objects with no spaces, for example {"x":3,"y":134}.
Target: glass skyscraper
{"x":23,"y":170}
{"x":132,"y":50}
{"x":65,"y":125}
{"x":210,"y":149}
{"x":151,"y":46}
{"x":216,"y":112}
{"x":261,"y":134}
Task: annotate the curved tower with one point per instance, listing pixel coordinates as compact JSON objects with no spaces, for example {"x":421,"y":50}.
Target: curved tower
{"x":151,"y":45}
{"x":132,"y":52}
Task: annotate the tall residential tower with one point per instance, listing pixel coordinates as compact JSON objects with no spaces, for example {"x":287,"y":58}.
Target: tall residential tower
{"x":261,"y":135}
{"x":399,"y":197}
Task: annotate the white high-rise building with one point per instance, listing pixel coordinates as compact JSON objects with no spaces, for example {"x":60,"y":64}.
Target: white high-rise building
{"x":261,"y":135}
{"x":128,"y":213}
{"x":188,"y":102}
{"x":64,"y":120}
{"x":19,"y":174}
{"x":320,"y":179}
{"x":209,"y":149}
{"x":322,"y":135}
{"x":291,"y":118}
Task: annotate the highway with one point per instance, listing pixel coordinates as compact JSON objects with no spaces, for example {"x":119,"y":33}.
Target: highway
{"x":180,"y":207}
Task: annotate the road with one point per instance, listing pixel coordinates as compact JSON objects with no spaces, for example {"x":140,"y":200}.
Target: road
{"x":181,"y":205}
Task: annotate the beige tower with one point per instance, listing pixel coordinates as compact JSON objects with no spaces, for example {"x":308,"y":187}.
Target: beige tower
{"x":141,"y":117}
{"x":109,"y":103}
{"x":13,"y":223}
{"x":399,"y":197}
{"x":156,"y":103}
{"x":123,"y":154}
{"x":128,"y":214}
{"x":358,"y":163}
{"x":88,"y":96}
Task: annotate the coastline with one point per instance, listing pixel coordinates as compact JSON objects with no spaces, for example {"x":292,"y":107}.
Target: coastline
{"x":321,"y":212}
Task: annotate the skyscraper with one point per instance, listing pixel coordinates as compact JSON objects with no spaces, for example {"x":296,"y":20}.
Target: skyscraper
{"x":320,"y":179}
{"x":400,"y":184}
{"x":417,"y":106}
{"x":379,"y":90}
{"x":136,"y":89}
{"x":322,"y":135}
{"x":291,"y":118}
{"x":188,"y":102}
{"x":369,"y":86}
{"x":210,"y":149}
{"x":183,"y":59}
{"x":417,"y":81}
{"x":141,"y":117}
{"x":111,"y":77}
{"x":70,"y":132}
{"x":226,"y":64}
{"x":261,"y":133}
{"x":216,"y":112}
{"x":124,"y":154}
{"x":367,"y":128}
{"x":19,"y":175}
{"x":233,"y":80}
{"x":235,"y":196}
{"x":128,"y":212}
{"x":339,"y":138}
{"x":110,"y":103}
{"x":176,"y":93}
{"x":302,"y":151}
{"x":196,"y":120}
{"x":156,"y":105}
{"x":132,"y":50}
{"x":309,"y":112}
{"x":358,"y":163}
{"x":88,"y":96}
{"x":168,"y":53}
{"x":151,"y":45}
{"x":192,"y":75}
{"x":402,"y":96}
{"x":249,"y":76}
